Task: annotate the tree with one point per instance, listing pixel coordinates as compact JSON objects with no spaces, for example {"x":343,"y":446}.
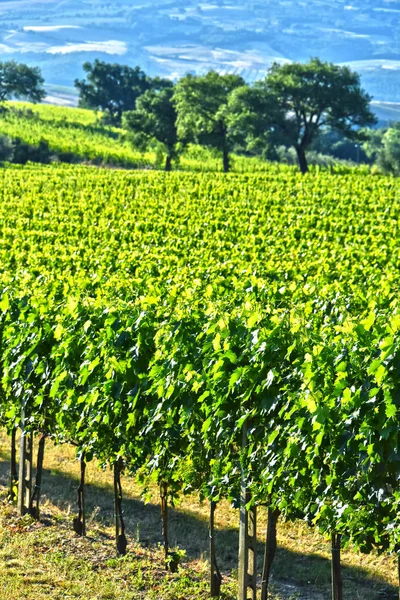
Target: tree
{"x":111,"y":88}
{"x":312,"y":96}
{"x":383,"y":146}
{"x":20,"y":81}
{"x":6,"y":149}
{"x":203,"y":114}
{"x":252,"y":114}
{"x":334,"y":143}
{"x":155,"y":119}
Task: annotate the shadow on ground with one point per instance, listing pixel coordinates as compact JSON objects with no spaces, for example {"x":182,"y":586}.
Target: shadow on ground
{"x":295,"y":575}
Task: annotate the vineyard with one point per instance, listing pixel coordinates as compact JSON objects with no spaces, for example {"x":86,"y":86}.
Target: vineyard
{"x":232,"y":336}
{"x":77,"y":136}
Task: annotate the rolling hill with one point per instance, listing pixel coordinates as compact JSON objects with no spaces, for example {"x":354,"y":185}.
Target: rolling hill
{"x":172,"y":37}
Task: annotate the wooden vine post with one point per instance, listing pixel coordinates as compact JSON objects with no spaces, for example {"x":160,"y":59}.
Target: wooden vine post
{"x":12,"y":495}
{"x":119,"y":519}
{"x":337,"y":587}
{"x":80,"y":521}
{"x":164,"y":519}
{"x":34,"y":509}
{"x":247,"y":573}
{"x":270,"y":550}
{"x":171,"y":558}
{"x":215,"y":574}
{"x":25,"y":469}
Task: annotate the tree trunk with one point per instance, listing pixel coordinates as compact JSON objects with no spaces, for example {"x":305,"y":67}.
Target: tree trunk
{"x":34,"y":511}
{"x":164,"y":519}
{"x":337,"y":587}
{"x":215,"y":575}
{"x":270,"y":550}
{"x":119,"y":520}
{"x":13,"y":467}
{"x":79,"y":522}
{"x":301,"y":156}
{"x":225,"y":158}
{"x":168,"y":163}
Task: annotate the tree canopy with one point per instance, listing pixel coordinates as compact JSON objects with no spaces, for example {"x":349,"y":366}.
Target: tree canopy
{"x":203,"y":111}
{"x":112,"y":88}
{"x":252,"y":113}
{"x":311,"y":96}
{"x":155,"y":119}
{"x":20,"y":81}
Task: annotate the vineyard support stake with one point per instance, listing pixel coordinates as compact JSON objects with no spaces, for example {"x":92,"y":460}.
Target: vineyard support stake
{"x":34,"y":511}
{"x":215,"y":575}
{"x":337,"y":587}
{"x":164,"y":519}
{"x":25,"y":469}
{"x":247,"y":572}
{"x":13,"y":467}
{"x":270,"y":550}
{"x":80,"y":520}
{"x":119,"y":520}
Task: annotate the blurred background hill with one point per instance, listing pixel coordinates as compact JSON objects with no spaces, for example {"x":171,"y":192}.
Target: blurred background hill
{"x":173,"y":37}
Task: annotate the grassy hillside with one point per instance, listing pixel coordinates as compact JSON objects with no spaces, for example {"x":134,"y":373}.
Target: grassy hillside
{"x":59,"y":114}
{"x":72,"y":133}
{"x":77,"y":135}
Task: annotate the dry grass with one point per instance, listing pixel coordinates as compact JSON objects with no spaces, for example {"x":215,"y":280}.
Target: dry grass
{"x":47,"y":560}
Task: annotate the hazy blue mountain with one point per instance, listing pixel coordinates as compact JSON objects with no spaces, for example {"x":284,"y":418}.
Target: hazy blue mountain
{"x":172,"y":37}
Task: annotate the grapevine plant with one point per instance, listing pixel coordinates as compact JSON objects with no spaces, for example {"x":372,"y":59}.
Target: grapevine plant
{"x":152,"y":320}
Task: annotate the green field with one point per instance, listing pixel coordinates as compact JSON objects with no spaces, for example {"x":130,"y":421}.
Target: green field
{"x":77,"y":135}
{"x":71,"y":131}
{"x":205,"y":331}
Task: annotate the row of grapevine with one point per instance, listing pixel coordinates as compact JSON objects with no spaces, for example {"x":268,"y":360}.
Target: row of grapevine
{"x":233,"y":336}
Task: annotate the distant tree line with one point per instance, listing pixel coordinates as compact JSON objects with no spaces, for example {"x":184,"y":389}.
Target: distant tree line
{"x":298,"y":107}
{"x":291,"y":107}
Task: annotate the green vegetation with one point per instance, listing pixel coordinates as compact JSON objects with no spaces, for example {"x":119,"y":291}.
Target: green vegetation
{"x":112,"y":89}
{"x":72,"y":135}
{"x":299,"y":101}
{"x":383,"y":146}
{"x":202,"y":111}
{"x":296,"y":101}
{"x":293,"y":107}
{"x":154,"y":120}
{"x":64,"y":114}
{"x":236,"y":338}
{"x":20,"y":81}
{"x":76,"y":135}
{"x":211,"y":331}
